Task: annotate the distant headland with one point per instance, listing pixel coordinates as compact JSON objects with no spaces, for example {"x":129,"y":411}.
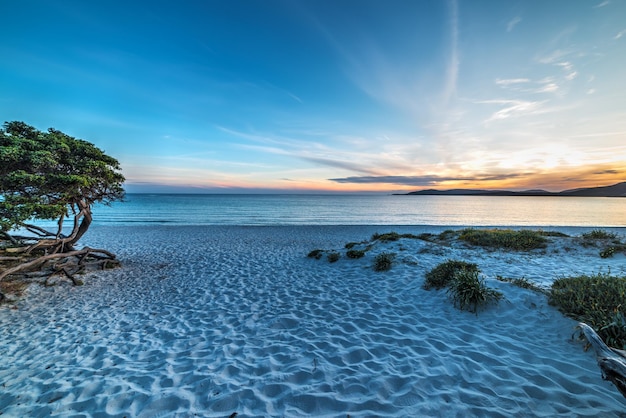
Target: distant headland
{"x":616,"y":190}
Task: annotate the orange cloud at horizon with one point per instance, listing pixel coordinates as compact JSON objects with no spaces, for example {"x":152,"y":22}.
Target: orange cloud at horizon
{"x":553,"y":180}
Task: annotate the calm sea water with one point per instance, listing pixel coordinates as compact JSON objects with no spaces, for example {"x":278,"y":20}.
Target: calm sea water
{"x":223,"y":209}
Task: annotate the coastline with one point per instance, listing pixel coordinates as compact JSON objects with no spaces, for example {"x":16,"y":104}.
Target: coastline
{"x":214,"y":320}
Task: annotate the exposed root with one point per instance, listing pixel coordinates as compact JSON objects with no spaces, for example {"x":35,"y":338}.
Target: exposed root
{"x":16,"y":272}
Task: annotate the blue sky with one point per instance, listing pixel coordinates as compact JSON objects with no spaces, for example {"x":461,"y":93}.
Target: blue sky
{"x":346,"y":95}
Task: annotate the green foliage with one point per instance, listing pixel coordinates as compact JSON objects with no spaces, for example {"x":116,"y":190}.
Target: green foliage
{"x":316,"y":254}
{"x":522,"y":240}
{"x":333,"y":256}
{"x":444,"y":273}
{"x":608,"y":252}
{"x":383,"y":261}
{"x":391,"y":236}
{"x":599,"y":300}
{"x":355,"y":253}
{"x":43,"y":175}
{"x":599,"y":234}
{"x":600,"y":237}
{"x":469,"y":292}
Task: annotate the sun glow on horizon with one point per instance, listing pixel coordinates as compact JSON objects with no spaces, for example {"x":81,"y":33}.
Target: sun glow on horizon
{"x":351,"y":96}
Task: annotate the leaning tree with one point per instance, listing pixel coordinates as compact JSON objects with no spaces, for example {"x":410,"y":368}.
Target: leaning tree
{"x":51,"y":176}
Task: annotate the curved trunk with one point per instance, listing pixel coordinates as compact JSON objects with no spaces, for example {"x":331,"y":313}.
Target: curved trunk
{"x":77,"y":234}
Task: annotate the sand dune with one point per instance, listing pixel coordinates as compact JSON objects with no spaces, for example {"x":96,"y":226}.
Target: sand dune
{"x":209,"y":321}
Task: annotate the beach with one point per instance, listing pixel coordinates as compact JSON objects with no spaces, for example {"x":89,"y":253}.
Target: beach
{"x":216,"y":320}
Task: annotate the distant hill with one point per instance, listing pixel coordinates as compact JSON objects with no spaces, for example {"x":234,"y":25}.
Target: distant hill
{"x":616,"y":190}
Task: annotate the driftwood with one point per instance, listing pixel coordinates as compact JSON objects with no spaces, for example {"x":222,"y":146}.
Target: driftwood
{"x":612,"y":361}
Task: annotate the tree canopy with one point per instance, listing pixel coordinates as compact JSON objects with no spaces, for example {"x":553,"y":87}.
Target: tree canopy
{"x":43,"y":174}
{"x":51,"y":176}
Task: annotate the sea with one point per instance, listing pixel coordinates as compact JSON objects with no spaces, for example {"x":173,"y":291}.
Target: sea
{"x":350,"y":209}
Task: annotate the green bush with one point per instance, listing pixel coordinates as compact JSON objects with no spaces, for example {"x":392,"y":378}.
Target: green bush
{"x":598,"y":300}
{"x":442,"y":275}
{"x":522,"y":240}
{"x":391,"y":236}
{"x":469,"y":292}
{"x":608,"y":252}
{"x":599,"y":234}
{"x":355,"y":253}
{"x":383,"y":261}
{"x":333,"y":256}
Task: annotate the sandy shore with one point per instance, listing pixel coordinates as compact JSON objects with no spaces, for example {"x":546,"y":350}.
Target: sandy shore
{"x":209,"y":321}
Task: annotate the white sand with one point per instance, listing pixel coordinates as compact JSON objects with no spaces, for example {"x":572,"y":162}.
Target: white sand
{"x":209,"y":321}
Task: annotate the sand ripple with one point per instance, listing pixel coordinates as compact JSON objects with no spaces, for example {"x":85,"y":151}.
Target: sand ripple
{"x":236,"y":319}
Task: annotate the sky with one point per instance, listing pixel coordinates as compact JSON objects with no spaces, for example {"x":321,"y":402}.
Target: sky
{"x":315,"y":96}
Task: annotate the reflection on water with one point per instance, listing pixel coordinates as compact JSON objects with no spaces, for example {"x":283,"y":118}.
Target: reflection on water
{"x":363,"y":210}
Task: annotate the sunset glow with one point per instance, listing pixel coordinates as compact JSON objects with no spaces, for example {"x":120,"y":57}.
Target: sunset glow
{"x":321,"y":96}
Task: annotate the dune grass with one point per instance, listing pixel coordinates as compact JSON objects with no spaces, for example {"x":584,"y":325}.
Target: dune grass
{"x":384,"y":261}
{"x":518,"y":240}
{"x":469,"y":292}
{"x":441,"y":276}
{"x":599,"y":300}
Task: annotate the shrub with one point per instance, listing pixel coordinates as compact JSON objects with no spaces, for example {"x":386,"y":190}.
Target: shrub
{"x":443,"y":274}
{"x":469,"y":292}
{"x":599,"y":234}
{"x":597,"y":300}
{"x":355,"y":253}
{"x":608,"y":252}
{"x":522,"y":240}
{"x":316,"y":254}
{"x":350,"y":245}
{"x":333,"y":256}
{"x":383,"y":261}
{"x":391,"y":236}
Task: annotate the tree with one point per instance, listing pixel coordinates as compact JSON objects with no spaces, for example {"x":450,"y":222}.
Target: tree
{"x":51,"y":176}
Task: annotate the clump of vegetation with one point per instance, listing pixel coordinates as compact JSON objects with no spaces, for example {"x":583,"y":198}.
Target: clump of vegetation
{"x":445,"y":236}
{"x":599,"y":234}
{"x":597,"y":300}
{"x":333,"y":256}
{"x":601,"y":238}
{"x":316,"y":254}
{"x":522,"y":240}
{"x":440,"y":276}
{"x":355,"y":253}
{"x":391,"y":236}
{"x":469,"y":292}
{"x":383,"y":261}
{"x":608,"y":252}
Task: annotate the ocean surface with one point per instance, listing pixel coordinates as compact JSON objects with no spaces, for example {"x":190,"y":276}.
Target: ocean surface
{"x":227,"y":209}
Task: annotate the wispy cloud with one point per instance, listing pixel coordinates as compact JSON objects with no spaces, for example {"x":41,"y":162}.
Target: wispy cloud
{"x":602,"y":4}
{"x":620,"y":34}
{"x":512,"y":108}
{"x":547,"y":88}
{"x":512,"y":23}
{"x":425,"y":180}
{"x":509,"y":81}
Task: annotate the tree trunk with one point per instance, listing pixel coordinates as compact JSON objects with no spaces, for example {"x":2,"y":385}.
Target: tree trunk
{"x":85,"y":209}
